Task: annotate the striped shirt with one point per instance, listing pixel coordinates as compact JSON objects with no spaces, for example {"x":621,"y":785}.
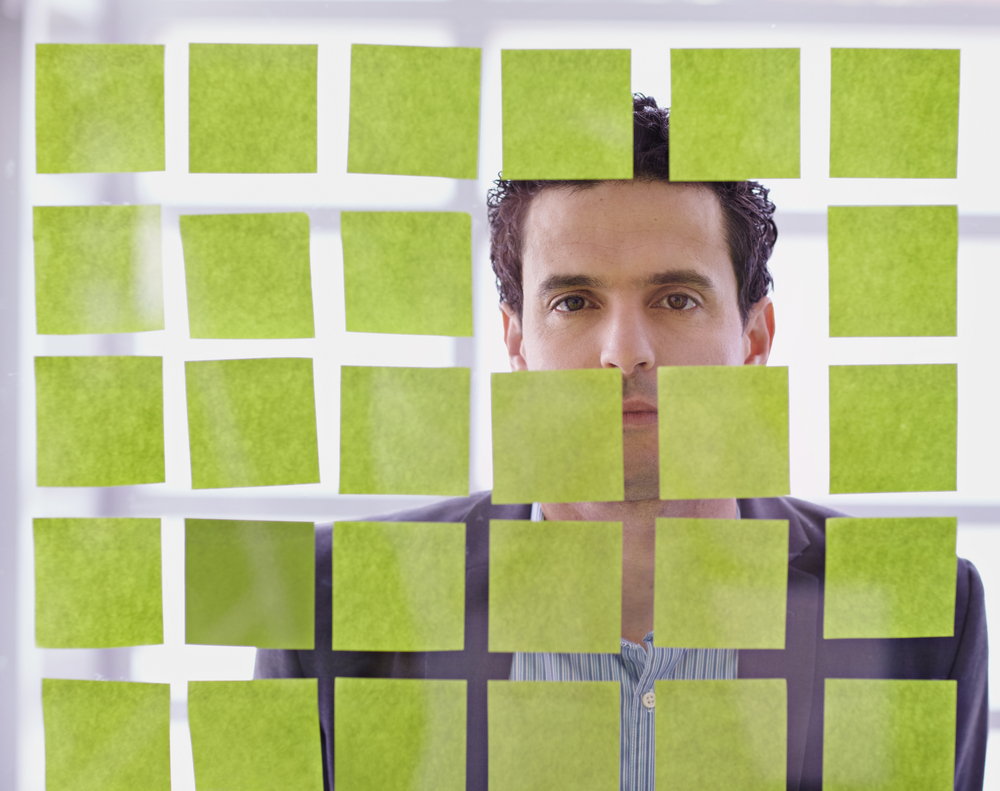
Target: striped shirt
{"x":637,"y":670}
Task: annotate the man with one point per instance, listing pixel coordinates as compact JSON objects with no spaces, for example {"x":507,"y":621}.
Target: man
{"x":634,"y":275}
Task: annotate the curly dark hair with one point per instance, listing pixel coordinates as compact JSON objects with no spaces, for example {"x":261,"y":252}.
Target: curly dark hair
{"x":747,"y":212}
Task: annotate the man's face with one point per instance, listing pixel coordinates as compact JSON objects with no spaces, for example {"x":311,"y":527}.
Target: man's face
{"x":632,"y":276}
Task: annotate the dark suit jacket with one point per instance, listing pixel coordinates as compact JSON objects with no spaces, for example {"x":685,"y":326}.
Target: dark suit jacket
{"x":805,"y":662}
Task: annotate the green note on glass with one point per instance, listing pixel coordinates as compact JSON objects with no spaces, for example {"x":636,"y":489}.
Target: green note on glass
{"x":252,"y":108}
{"x":555,"y":586}
{"x":557,"y":436}
{"x":721,"y":734}
{"x":398,"y":586}
{"x":893,"y":428}
{"x":404,"y":430}
{"x":97,"y":269}
{"x":545,"y":735}
{"x":893,"y":270}
{"x":99,"y":108}
{"x":894,"y":113}
{"x":889,"y":734}
{"x":414,"y":111}
{"x":106,"y":735}
{"x":249,"y":583}
{"x":567,"y":113}
{"x":100,"y":420}
{"x":256,"y":735}
{"x":248,"y":275}
{"x":890,"y":577}
{"x":721,"y":583}
{"x":734,"y":114}
{"x":97,"y":583}
{"x":723,"y":431}
{"x":399,"y":734}
{"x":408,"y":272}
{"x":252,"y":422}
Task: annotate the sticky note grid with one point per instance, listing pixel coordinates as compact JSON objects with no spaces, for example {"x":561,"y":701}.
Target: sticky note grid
{"x":100,"y":420}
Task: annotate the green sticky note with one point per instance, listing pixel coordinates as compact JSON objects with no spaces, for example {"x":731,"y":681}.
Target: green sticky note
{"x":893,"y":270}
{"x":567,"y":113}
{"x":398,"y":586}
{"x":419,"y":747}
{"x":432,"y":128}
{"x":555,"y":586}
{"x":721,"y":583}
{"x":734,"y":114}
{"x":893,"y":428}
{"x":256,"y":735}
{"x":545,"y":735}
{"x":723,"y":431}
{"x":97,"y":583}
{"x":408,"y":272}
{"x":248,"y":275}
{"x":100,"y":420}
{"x":889,"y":734}
{"x":97,"y":269}
{"x":252,"y":108}
{"x":890,"y":577}
{"x":99,"y":108}
{"x":252,"y":422}
{"x":249,"y":583}
{"x":557,"y":436}
{"x":106,"y":735}
{"x":404,"y":430}
{"x":722,"y":734}
{"x":894,"y":113}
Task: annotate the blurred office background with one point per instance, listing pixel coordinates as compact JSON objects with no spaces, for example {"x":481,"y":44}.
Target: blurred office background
{"x":649,"y":29}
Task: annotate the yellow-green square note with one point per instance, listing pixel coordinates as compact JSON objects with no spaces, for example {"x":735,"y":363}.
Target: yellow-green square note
{"x":893,"y":428}
{"x":248,"y":275}
{"x":721,"y":583}
{"x":723,"y":431}
{"x":567,"y":113}
{"x":249,"y":583}
{"x":421,"y":747}
{"x":557,"y":436}
{"x":722,"y":734}
{"x":408,"y":272}
{"x":545,"y":735}
{"x":734,"y":114}
{"x":100,"y":420}
{"x":106,"y":735}
{"x":404,"y":430}
{"x":890,"y":578}
{"x":252,"y":422}
{"x":894,"y":113}
{"x":555,"y":586}
{"x":252,"y":108}
{"x":890,"y":734}
{"x":99,"y":108}
{"x":893,"y":270}
{"x":414,"y":111}
{"x":97,"y":269}
{"x":398,"y":586}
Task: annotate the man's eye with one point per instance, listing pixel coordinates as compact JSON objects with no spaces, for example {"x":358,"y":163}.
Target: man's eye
{"x":680,"y":302}
{"x":571,"y":304}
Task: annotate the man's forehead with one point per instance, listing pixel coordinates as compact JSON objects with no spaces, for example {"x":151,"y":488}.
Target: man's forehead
{"x":633,"y":229}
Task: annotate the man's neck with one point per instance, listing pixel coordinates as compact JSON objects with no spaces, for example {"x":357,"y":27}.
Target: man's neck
{"x":638,"y":518}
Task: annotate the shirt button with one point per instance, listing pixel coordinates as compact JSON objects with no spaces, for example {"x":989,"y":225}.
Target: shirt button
{"x":649,"y":700}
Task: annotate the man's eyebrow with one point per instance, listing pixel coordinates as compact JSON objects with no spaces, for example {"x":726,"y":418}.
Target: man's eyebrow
{"x":679,"y":277}
{"x":670,"y":277}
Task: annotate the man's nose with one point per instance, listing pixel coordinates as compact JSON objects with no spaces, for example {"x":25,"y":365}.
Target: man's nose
{"x":627,"y":342}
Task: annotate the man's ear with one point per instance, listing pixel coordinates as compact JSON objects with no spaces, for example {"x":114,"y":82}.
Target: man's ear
{"x":512,"y":338}
{"x":759,"y":333}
